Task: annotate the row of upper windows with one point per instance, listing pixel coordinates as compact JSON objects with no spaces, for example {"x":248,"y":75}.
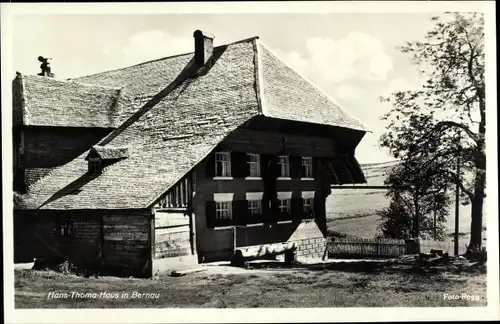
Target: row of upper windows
{"x":223,"y":165}
{"x":224,"y":210}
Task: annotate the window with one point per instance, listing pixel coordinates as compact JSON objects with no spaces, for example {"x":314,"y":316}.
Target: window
{"x":308,"y":204}
{"x":95,"y":166}
{"x":255,"y":207}
{"x":307,"y":166}
{"x":284,"y":205}
{"x":254,"y":164}
{"x":284,"y":163}
{"x":222,"y":164}
{"x":66,"y":227}
{"x":223,"y":210}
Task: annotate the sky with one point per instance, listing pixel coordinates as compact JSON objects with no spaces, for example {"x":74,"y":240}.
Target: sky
{"x":353,"y":57}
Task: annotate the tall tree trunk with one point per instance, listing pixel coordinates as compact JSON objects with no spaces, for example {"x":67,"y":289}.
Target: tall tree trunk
{"x":476,"y":228}
{"x":477,"y":211}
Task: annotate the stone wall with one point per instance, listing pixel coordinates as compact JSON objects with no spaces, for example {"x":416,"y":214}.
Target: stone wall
{"x":310,"y":240}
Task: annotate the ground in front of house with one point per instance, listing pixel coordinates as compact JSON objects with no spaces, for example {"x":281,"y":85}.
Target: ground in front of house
{"x":225,"y":286}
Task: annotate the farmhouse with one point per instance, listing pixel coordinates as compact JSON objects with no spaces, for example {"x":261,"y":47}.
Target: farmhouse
{"x":177,"y":161}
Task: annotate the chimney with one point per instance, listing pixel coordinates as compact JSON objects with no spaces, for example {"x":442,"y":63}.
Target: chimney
{"x":203,"y":47}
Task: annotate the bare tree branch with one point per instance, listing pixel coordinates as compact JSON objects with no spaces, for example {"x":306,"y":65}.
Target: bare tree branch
{"x":465,"y":128}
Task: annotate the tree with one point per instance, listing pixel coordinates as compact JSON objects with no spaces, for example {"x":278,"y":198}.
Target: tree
{"x":445,"y":120}
{"x":414,"y":211}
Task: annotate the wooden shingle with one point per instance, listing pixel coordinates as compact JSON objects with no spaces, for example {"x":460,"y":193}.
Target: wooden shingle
{"x":170,"y":116}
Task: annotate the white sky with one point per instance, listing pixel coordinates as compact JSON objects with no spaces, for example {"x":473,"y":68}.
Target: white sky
{"x":352,"y":57}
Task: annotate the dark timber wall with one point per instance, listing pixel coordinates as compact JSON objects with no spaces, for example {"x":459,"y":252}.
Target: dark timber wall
{"x":218,"y":243}
{"x":39,"y":149}
{"x":114,"y":241}
{"x":47,"y":147}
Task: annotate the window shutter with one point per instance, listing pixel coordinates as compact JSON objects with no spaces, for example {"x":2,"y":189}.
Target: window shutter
{"x":296,"y":170}
{"x":274,"y":212}
{"x":267,"y":176}
{"x":240,"y":212}
{"x":210,"y":166}
{"x":274,"y":169}
{"x":264,"y":165}
{"x":317,"y":167}
{"x":239,"y":166}
{"x":266,"y":211}
{"x":318,"y":202}
{"x":210,"y":213}
{"x":297,"y":208}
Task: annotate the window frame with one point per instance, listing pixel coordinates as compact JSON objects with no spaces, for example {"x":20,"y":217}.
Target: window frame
{"x":226,"y":162}
{"x":305,"y":204}
{"x":288,"y":205}
{"x":66,"y":227}
{"x":228,"y":208}
{"x":254,"y":163}
{"x":284,"y":165}
{"x":251,"y":209}
{"x":95,"y":166}
{"x":307,"y":167}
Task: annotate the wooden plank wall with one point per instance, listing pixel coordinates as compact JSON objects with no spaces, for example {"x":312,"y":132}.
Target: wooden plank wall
{"x":172,"y":234}
{"x":119,"y":240}
{"x":46,"y":239}
{"x":126,"y":240}
{"x":84,"y":245}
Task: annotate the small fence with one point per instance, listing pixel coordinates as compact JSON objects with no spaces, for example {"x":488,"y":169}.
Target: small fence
{"x":361,"y":248}
{"x":386,"y":248}
{"x":447,"y":246}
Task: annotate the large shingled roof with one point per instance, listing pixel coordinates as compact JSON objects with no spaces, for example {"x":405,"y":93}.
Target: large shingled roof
{"x":51,"y":102}
{"x":172,"y":117}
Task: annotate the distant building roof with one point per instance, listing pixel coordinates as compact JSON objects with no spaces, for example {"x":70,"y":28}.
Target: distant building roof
{"x":170,"y":118}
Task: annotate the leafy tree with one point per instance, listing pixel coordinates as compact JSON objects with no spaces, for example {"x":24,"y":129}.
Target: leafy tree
{"x":417,"y":210}
{"x":445,"y":121}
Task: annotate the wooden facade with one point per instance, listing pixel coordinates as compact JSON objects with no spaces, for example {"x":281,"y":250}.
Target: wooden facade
{"x":217,"y":240}
{"x":115,"y":242}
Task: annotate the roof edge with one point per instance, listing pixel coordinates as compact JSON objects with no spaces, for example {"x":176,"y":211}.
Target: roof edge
{"x":153,"y":201}
{"x":363,"y":128}
{"x":163,"y":58}
{"x":259,"y":90}
{"x":75,"y":82}
{"x":20,"y":78}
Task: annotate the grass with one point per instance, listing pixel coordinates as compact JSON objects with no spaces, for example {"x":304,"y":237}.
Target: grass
{"x":255,"y":288}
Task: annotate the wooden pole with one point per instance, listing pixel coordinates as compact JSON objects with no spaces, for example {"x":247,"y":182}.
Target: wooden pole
{"x":434,"y":230}
{"x":417,"y":213}
{"x":457,"y":208}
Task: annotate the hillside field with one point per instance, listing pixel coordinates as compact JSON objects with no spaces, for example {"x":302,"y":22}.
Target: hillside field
{"x":354,"y":211}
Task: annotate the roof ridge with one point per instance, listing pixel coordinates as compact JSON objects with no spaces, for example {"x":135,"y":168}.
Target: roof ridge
{"x":73,"y":81}
{"x":363,"y":127}
{"x":163,"y":58}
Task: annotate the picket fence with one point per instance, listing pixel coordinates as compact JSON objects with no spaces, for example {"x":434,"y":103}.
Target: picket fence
{"x":385,"y":248}
{"x":362,"y":248}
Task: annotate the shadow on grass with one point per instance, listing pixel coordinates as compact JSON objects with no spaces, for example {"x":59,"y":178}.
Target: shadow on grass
{"x":368,"y":267}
